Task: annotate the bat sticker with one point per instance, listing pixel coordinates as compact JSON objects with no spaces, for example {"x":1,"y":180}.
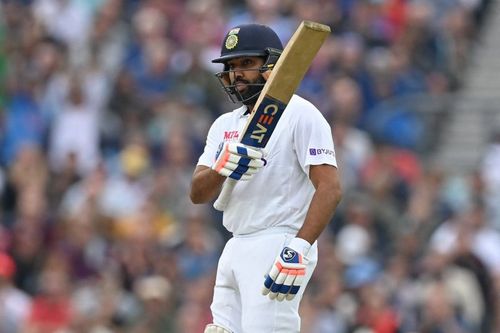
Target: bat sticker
{"x":263,"y":122}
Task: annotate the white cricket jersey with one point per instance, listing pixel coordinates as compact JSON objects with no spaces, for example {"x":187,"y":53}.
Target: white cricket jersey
{"x":279,"y":195}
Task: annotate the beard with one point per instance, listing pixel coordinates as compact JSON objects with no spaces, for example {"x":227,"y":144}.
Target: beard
{"x":251,"y":93}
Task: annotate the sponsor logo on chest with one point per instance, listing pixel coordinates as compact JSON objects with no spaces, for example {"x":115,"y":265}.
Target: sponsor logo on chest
{"x":230,"y":135}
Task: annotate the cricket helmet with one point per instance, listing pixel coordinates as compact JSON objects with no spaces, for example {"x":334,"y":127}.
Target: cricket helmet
{"x":248,"y":40}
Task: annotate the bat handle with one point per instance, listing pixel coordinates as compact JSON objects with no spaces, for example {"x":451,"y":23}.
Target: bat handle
{"x":225,"y":195}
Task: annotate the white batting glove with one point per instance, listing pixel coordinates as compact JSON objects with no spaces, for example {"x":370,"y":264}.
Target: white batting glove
{"x":237,"y":161}
{"x":288,"y":271}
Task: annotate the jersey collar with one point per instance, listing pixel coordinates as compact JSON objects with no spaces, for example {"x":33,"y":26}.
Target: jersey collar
{"x":244,"y":111}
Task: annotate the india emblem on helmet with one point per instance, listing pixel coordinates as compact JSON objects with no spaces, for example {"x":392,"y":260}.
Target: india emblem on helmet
{"x":231,"y":41}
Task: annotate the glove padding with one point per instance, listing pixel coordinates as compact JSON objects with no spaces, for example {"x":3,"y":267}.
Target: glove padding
{"x":237,"y":161}
{"x":288,"y":271}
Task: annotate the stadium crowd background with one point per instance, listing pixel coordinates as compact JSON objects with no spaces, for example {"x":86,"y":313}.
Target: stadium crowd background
{"x":105,"y":107}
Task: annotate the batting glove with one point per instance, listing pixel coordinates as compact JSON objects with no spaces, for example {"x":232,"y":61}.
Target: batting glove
{"x":238,"y":161}
{"x":288,"y":271}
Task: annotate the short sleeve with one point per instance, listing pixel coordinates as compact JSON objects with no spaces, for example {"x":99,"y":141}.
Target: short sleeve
{"x":212,"y":143}
{"x":313,"y":140}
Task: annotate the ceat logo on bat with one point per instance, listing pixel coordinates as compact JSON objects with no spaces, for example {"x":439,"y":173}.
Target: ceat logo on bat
{"x":264,"y":121}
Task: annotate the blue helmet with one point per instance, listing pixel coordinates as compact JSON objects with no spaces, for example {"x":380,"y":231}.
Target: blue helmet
{"x":248,"y":40}
{"x":251,"y":40}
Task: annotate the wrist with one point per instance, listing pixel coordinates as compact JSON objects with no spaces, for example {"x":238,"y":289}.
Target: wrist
{"x":300,"y":245}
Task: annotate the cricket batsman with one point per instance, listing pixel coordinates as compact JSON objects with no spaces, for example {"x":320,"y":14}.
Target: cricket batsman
{"x":284,"y":198}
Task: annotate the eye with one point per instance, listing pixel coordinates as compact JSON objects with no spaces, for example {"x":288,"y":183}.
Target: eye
{"x":247,"y":62}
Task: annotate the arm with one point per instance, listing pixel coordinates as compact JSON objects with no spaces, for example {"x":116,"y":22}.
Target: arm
{"x":324,"y":202}
{"x":205,"y":184}
{"x":287,"y":273}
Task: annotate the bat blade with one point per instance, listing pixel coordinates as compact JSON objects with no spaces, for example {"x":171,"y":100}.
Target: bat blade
{"x":285,"y":77}
{"x":260,"y":127}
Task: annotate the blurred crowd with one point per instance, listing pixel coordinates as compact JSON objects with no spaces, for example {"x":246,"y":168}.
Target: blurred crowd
{"x":105,"y":107}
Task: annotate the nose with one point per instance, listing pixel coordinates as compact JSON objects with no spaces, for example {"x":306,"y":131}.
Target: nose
{"x":238,"y":73}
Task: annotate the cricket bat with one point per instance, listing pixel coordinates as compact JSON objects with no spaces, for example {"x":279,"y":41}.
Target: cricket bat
{"x":285,"y":77}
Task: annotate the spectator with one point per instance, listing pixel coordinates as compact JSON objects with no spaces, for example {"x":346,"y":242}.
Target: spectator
{"x":199,"y":252}
{"x":354,"y":148}
{"x":439,"y":315}
{"x":268,"y":13}
{"x":490,"y":174}
{"x":106,"y":104}
{"x":24,"y":125}
{"x":158,"y":311}
{"x":51,"y":309}
{"x":67,"y":21}
{"x":75,"y":131}
{"x":124,"y":194}
{"x":15,"y":303}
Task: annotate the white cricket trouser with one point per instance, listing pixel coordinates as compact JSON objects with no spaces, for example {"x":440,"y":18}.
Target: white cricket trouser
{"x":238,"y":303}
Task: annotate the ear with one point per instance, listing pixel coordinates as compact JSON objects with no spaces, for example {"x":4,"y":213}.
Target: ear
{"x":266,"y":74}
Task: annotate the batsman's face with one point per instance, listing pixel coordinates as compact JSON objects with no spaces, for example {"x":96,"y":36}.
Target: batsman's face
{"x":244,"y":71}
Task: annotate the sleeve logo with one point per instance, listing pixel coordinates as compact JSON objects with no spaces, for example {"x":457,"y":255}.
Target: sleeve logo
{"x":321,"y":151}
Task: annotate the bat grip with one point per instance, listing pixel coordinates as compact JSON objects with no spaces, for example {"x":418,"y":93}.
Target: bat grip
{"x":225,"y":195}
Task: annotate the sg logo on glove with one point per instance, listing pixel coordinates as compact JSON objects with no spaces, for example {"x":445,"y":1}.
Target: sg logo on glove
{"x":288,"y":254}
{"x":286,"y":275}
